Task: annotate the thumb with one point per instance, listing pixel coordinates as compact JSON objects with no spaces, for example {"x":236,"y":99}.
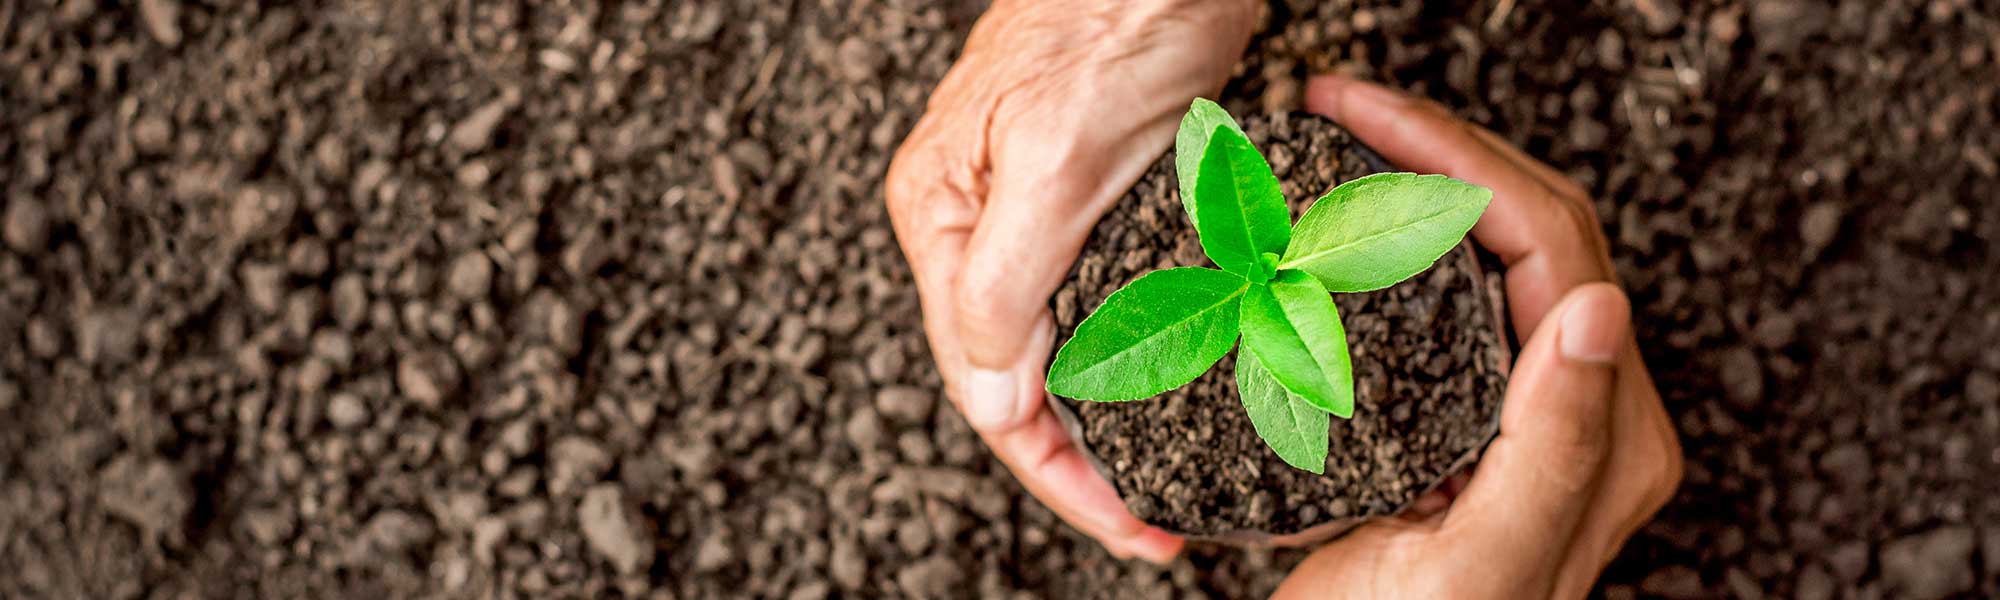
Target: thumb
{"x":1535,"y":482}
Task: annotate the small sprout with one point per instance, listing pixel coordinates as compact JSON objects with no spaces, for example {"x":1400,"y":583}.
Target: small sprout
{"x":1274,"y":288}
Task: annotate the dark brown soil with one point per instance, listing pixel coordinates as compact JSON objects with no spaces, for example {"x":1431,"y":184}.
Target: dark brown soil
{"x":248,"y":347}
{"x":1429,"y":367}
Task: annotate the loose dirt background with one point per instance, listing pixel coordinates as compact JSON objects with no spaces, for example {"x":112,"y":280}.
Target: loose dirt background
{"x":549,"y":299}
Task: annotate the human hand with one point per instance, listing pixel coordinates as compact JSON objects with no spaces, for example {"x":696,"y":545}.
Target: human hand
{"x":1586,"y":453}
{"x":1053,"y":110}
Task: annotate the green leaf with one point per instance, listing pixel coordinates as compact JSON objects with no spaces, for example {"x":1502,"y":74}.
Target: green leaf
{"x":1369,"y":233}
{"x":1191,"y":142}
{"x":1157,"y":333}
{"x":1241,"y":214}
{"x":1292,"y":427}
{"x":1292,"y":327}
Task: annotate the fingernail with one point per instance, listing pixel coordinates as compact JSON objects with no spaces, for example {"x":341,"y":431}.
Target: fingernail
{"x":990,"y":398}
{"x":1594,"y":326}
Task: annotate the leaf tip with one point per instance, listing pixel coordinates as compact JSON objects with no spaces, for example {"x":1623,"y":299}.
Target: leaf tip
{"x":1483,"y":195}
{"x":1315,"y":464}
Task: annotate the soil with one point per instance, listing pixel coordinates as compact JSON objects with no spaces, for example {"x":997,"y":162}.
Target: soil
{"x":1429,"y":361}
{"x":418,"y":299}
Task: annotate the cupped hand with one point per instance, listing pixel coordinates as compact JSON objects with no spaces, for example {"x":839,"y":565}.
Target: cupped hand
{"x":1585,"y":454}
{"x":1052,"y":111}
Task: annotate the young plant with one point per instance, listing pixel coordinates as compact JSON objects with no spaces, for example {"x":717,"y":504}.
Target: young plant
{"x":1169,"y":326}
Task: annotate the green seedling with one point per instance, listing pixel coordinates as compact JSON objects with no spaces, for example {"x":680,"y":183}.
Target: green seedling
{"x":1274,"y":287}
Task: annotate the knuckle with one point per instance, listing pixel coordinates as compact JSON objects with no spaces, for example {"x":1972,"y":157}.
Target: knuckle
{"x":1567,"y":189}
{"x":1666,"y":476}
{"x":933,"y":181}
{"x":1586,"y":213}
{"x":1578,"y":219}
{"x":898,"y":196}
{"x":1578,"y":210}
{"x":914,"y":161}
{"x":1070,"y":173}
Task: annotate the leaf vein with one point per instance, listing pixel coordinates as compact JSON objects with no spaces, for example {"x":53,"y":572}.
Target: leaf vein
{"x":1111,"y":358}
{"x":1293,"y":263}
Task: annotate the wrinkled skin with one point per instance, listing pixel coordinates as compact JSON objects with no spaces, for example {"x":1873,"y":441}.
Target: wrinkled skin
{"x":1051,"y":113}
{"x":1054,"y":110}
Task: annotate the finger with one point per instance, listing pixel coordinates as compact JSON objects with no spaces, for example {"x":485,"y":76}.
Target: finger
{"x":1538,"y":479}
{"x":1546,"y":238}
{"x":1056,"y":163}
{"x":1042,"y":456}
{"x":934,"y":191}
{"x":1564,"y":187}
{"x":1567,"y":192}
{"x":1055,"y":473}
{"x":1417,"y":134}
{"x":932,"y":213}
{"x":1047,"y":193}
{"x":1644,"y":469}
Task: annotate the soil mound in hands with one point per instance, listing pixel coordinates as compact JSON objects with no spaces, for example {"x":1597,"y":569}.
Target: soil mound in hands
{"x":1429,"y":365}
